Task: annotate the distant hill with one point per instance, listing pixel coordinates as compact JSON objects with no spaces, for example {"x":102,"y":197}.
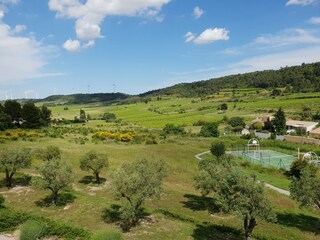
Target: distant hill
{"x":304,"y":78}
{"x":85,"y":98}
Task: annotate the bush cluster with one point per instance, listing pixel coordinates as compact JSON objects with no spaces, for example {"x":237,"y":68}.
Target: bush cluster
{"x":15,"y":134}
{"x":123,"y":137}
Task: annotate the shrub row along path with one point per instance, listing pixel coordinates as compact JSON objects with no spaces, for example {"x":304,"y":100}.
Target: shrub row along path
{"x":279,"y":190}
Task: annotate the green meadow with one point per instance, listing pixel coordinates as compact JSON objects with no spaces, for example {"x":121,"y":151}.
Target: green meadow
{"x":181,"y":212}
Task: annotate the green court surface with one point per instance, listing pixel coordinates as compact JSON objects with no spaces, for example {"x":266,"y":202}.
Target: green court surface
{"x":267,"y":158}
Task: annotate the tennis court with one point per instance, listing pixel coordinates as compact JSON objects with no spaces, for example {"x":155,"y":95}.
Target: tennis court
{"x":267,"y":158}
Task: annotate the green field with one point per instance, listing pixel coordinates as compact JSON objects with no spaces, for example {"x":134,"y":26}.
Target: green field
{"x":181,"y":212}
{"x":186,"y":111}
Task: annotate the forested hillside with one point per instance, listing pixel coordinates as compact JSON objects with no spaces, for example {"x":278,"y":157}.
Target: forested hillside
{"x":86,"y":98}
{"x":304,"y":78}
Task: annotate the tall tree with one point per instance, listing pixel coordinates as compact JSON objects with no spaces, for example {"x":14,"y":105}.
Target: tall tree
{"x":235,"y":192}
{"x":5,"y":121}
{"x":279,"y":122}
{"x":31,"y":114}
{"x":12,"y":108}
{"x":56,"y":175}
{"x":133,"y":183}
{"x":45,"y":115}
{"x":13,"y":160}
{"x":92,"y":161}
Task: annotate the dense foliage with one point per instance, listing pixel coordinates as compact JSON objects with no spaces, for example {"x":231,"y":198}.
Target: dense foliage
{"x":210,"y":129}
{"x":13,"y":114}
{"x":304,"y":78}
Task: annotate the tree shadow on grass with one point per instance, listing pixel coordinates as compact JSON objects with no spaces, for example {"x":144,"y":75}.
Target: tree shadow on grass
{"x":208,"y":231}
{"x":91,"y":180}
{"x":63,"y":199}
{"x":19,"y":180}
{"x":300,"y":221}
{"x":201,"y":203}
{"x":112,"y":214}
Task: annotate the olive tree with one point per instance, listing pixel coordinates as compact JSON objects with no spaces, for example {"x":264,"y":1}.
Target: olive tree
{"x":50,"y":153}
{"x":235,"y":192}
{"x":92,"y":161}
{"x":13,"y":160}
{"x":306,"y":188}
{"x":133,"y":183}
{"x":56,"y":175}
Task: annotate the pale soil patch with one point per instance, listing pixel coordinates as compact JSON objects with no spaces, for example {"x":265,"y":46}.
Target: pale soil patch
{"x":19,"y":190}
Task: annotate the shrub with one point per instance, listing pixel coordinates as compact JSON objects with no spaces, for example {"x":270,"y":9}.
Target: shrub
{"x":172,"y":129}
{"x":108,"y":235}
{"x":210,"y":129}
{"x":32,"y":230}
{"x":218,"y":149}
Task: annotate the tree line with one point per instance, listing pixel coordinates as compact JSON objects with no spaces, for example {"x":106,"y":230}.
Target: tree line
{"x":27,"y":115}
{"x":304,"y":78}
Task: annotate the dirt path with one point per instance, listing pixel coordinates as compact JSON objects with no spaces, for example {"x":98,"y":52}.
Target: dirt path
{"x":279,"y":190}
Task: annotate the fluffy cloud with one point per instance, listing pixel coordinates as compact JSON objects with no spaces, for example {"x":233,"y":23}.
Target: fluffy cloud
{"x":315,"y":20}
{"x":301,"y":2}
{"x":197,"y":12}
{"x":72,"y":45}
{"x":90,"y":14}
{"x":22,"y":57}
{"x":209,"y":35}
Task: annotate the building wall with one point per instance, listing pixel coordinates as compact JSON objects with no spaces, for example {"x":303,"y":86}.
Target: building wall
{"x":297,"y":139}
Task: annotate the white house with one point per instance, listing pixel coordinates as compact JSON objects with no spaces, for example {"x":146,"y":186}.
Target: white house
{"x":304,"y":125}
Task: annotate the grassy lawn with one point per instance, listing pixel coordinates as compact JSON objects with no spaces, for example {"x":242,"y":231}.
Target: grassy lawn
{"x":181,"y":212}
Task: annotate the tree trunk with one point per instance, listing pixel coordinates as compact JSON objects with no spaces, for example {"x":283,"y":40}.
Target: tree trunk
{"x":97,"y":177}
{"x":9,"y":179}
{"x":248,"y":227}
{"x":54,"y":197}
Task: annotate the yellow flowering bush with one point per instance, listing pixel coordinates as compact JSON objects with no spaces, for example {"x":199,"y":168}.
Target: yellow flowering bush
{"x":123,"y":137}
{"x":15,"y":134}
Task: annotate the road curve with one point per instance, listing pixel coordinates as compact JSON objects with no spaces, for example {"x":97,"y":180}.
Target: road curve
{"x":279,"y":190}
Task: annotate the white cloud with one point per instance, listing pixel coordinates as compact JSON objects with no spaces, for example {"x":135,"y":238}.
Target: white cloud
{"x":1,"y":14}
{"x":72,"y":45}
{"x":197,"y":12}
{"x":19,"y":29}
{"x":209,"y":35}
{"x":277,"y":60}
{"x":22,"y":57}
{"x":315,"y":20}
{"x":288,"y":37}
{"x":90,"y":14}
{"x":89,"y":44}
{"x":189,"y":36}
{"x":301,"y":2}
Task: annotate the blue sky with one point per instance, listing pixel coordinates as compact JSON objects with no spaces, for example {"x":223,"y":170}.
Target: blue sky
{"x":132,"y":46}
